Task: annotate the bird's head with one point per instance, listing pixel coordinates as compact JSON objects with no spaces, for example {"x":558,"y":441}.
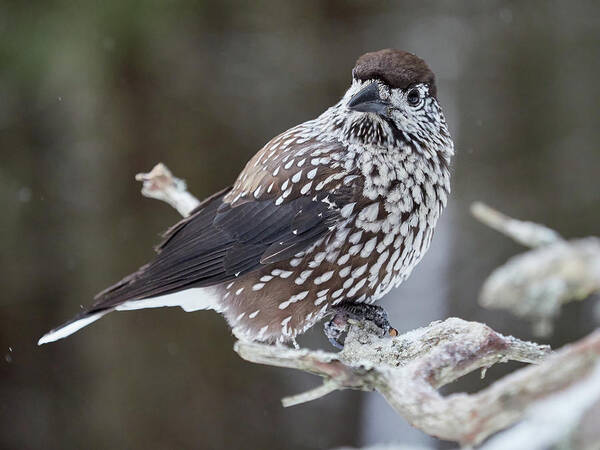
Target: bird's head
{"x":393,"y":102}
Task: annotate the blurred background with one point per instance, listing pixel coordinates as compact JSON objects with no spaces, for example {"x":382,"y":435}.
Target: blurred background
{"x":93,"y":92}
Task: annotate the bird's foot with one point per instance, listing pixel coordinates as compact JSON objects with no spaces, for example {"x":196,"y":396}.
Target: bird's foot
{"x":336,"y":328}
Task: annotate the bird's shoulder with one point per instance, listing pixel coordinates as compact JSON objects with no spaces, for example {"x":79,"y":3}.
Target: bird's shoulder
{"x":294,"y":164}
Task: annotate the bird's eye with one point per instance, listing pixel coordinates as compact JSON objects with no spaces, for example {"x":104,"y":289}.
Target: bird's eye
{"x":413,"y":97}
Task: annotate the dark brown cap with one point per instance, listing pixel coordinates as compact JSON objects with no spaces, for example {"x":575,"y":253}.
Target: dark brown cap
{"x":396,"y":68}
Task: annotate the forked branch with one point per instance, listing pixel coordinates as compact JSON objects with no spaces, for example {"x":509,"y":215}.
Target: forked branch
{"x":409,"y":369}
{"x":537,"y":283}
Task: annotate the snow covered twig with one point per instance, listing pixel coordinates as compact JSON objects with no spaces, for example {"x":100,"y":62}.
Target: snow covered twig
{"x":535,"y":284}
{"x":409,"y":369}
{"x":160,"y":184}
{"x":567,"y":419}
{"x":529,"y":234}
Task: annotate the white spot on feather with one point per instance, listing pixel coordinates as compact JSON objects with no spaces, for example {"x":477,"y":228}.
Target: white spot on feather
{"x":324,"y":277}
{"x":354,"y":249}
{"x":369,"y":247}
{"x":295,"y":262}
{"x":293,"y":299}
{"x":356,"y":273}
{"x":306,"y":188}
{"x":347,"y":210}
{"x":357,"y":287}
{"x":345,"y":271}
{"x":355,"y":237}
{"x":369,"y":213}
{"x":303,"y":277}
{"x":337,"y":293}
{"x":319,"y":300}
{"x":343,"y":259}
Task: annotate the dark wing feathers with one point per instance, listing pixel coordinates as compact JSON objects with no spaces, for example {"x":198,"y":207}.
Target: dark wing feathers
{"x":218,"y":242}
{"x":312,"y":220}
{"x":203,"y":222}
{"x":233,"y":233}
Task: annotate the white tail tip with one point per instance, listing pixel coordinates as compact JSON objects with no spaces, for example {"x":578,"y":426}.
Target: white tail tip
{"x":70,"y":328}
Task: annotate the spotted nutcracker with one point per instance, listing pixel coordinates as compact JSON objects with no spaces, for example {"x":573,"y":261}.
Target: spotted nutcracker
{"x":325,"y":219}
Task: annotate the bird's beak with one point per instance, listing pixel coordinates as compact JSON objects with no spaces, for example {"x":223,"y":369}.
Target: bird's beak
{"x":368,"y":100}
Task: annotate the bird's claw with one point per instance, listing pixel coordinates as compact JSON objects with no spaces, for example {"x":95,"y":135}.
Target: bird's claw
{"x":338,"y":325}
{"x":334,"y":330}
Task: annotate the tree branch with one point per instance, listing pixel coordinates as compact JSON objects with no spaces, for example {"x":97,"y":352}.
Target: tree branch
{"x":409,"y":369}
{"x":564,"y":419}
{"x":160,"y":184}
{"x":529,"y":234}
{"x":535,"y":284}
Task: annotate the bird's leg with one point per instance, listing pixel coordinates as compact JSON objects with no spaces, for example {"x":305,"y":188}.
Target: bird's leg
{"x":338,"y":325}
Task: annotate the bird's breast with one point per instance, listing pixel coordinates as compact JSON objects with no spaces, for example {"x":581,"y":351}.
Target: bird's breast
{"x":383,"y":235}
{"x":406,"y":194}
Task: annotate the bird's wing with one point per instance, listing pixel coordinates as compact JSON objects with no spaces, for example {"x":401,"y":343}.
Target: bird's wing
{"x":240,"y":230}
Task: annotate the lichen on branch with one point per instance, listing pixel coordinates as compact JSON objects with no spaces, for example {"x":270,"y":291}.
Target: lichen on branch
{"x":409,"y":369}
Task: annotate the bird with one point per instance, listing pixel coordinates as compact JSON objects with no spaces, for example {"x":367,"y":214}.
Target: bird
{"x":323,"y":221}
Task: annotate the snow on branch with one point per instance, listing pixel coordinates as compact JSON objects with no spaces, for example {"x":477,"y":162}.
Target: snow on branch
{"x":535,"y":284}
{"x":529,"y":234}
{"x":160,"y":184}
{"x":409,"y":369}
{"x":567,"y":419}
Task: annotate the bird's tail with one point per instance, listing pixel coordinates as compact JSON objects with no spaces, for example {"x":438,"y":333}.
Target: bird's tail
{"x":81,"y":320}
{"x":192,"y":299}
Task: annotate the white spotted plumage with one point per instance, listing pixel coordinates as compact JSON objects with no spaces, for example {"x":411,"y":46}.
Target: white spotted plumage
{"x":396,"y":167}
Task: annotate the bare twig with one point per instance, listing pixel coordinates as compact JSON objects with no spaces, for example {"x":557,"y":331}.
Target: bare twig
{"x":409,"y":369}
{"x":160,"y":184}
{"x":559,"y":419}
{"x":535,"y":284}
{"x":529,"y":234}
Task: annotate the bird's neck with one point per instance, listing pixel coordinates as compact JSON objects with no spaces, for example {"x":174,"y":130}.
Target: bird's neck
{"x":374,"y":146}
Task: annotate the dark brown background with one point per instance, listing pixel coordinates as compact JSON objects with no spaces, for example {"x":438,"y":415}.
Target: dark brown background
{"x":91,"y":93}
